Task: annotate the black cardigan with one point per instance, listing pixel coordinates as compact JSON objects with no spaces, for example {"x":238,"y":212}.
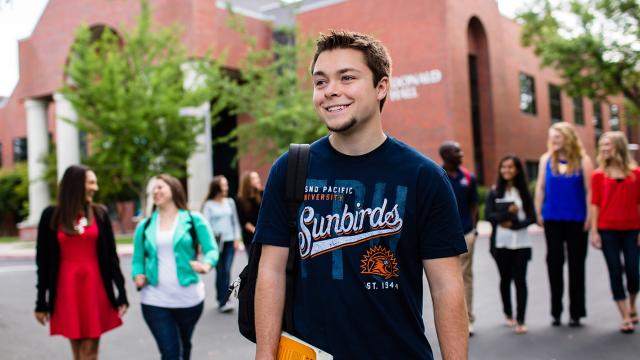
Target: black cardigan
{"x":48,"y":262}
{"x":496,"y":217}
{"x":248,"y":210}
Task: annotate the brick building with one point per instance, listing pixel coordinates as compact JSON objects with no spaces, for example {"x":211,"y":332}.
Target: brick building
{"x":459,"y":72}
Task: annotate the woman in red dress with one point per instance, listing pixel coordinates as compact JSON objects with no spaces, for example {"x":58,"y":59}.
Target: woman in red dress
{"x":78,"y":266}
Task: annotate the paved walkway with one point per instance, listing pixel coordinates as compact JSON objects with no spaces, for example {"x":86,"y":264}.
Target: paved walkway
{"x":217,"y":337}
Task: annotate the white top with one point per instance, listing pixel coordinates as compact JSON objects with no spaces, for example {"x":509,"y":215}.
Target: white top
{"x":223,"y":218}
{"x":169,"y":293}
{"x":513,"y":239}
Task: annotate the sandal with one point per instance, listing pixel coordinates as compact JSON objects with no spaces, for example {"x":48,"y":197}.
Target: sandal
{"x":509,"y":322}
{"x":627,"y":327}
{"x":634,"y":317}
{"x":521,"y":329}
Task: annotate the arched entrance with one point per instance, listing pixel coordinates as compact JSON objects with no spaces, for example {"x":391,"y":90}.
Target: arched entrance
{"x":480,"y":96}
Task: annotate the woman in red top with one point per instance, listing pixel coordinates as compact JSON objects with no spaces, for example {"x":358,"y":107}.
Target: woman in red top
{"x":615,"y":203}
{"x":78,"y":266}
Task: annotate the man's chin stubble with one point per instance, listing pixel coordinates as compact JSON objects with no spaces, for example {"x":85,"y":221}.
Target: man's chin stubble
{"x":346,"y":127}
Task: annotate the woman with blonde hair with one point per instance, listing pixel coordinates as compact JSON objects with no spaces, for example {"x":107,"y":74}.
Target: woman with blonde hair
{"x":166,"y":268}
{"x":561,"y":198}
{"x":615,"y":205}
{"x":248,"y":200}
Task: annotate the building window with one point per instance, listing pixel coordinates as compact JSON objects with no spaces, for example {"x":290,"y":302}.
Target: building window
{"x":527,"y":94}
{"x":531,"y":167}
{"x":578,"y":111}
{"x":597,"y":120}
{"x":614,"y":117}
{"x":82,"y":141}
{"x":19,"y":149}
{"x":555,"y":103}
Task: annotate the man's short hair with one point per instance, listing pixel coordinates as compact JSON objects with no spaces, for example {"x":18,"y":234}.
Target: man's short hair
{"x":375,"y":53}
{"x":447,"y":147}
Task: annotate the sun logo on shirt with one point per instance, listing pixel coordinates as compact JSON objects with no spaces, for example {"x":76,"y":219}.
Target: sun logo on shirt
{"x":379,"y":261}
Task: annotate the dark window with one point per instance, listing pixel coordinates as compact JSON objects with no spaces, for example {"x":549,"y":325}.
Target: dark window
{"x":0,"y":155}
{"x":527,"y":94}
{"x":614,"y":117}
{"x":531,"y":167}
{"x":597,"y":120}
{"x":19,"y":149}
{"x":578,"y":110}
{"x":555,"y":103}
{"x":82,"y":141}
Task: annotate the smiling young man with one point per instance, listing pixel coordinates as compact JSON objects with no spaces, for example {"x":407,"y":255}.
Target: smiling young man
{"x":376,"y":216}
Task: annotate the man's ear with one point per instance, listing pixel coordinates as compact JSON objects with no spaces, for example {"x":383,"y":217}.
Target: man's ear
{"x":383,"y":88}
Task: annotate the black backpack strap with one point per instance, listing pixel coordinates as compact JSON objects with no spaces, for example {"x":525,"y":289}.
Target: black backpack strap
{"x":296,"y":179}
{"x":194,"y":236}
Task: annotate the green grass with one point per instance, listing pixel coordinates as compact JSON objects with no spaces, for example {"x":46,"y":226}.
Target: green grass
{"x":124,"y":240}
{"x":8,"y":239}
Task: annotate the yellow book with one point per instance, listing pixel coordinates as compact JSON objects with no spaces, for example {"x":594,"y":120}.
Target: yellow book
{"x":292,"y":348}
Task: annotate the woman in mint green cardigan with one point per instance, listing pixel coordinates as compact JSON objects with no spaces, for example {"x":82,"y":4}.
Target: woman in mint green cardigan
{"x":165,"y":267}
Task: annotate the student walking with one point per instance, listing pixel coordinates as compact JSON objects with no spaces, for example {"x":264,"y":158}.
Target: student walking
{"x":510,"y":210}
{"x":220,"y":211}
{"x":615,"y":204}
{"x":561,"y":198}
{"x":248,"y":201}
{"x":78,"y":266}
{"x":465,"y":188}
{"x":165,"y":268}
{"x":377,"y":216}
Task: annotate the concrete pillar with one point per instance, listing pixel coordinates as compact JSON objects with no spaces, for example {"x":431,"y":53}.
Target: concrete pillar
{"x":67,"y":136}
{"x":199,"y":166}
{"x":37,"y":148}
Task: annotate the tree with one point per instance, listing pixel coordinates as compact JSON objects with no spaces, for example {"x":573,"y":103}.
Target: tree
{"x":128,"y":90}
{"x":592,"y":44}
{"x":14,"y":192}
{"x":275,"y":90}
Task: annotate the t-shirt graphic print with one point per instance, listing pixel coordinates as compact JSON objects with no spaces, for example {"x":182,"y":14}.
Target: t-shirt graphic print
{"x":364,"y":227}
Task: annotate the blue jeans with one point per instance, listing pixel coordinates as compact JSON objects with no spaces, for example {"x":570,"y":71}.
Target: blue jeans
{"x":223,"y":271}
{"x":625,"y":242}
{"x":172,"y":329}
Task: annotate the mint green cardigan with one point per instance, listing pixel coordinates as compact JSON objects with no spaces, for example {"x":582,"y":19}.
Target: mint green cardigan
{"x":182,"y":248}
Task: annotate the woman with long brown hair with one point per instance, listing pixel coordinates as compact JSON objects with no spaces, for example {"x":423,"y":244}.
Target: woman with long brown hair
{"x":220,"y":210}
{"x":165,"y":267}
{"x":616,"y":221}
{"x":561,"y":201}
{"x":510,"y":210}
{"x":248,"y":200}
{"x":76,"y":254}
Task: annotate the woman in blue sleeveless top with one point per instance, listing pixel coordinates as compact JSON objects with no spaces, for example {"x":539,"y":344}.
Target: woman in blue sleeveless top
{"x":562,"y":193}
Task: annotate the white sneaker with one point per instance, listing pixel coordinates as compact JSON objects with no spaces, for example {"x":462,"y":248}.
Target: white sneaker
{"x":226,"y":308}
{"x":470,"y":329}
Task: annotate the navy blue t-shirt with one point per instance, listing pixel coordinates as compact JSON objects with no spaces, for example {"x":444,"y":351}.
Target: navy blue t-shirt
{"x":466,"y":196}
{"x":365,"y":226}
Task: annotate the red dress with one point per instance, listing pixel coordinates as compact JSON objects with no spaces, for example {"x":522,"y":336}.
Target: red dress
{"x":82,"y":308}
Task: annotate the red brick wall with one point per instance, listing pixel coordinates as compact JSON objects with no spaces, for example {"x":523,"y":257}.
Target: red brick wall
{"x":434,"y":34}
{"x":421,"y":35}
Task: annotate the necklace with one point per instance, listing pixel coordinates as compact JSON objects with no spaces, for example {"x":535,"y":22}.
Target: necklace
{"x":80,"y":225}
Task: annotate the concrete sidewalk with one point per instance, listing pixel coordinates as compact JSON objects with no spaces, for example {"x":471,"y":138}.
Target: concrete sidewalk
{"x":25,"y":250}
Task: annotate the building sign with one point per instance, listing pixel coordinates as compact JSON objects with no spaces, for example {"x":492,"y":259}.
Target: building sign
{"x":405,"y":87}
